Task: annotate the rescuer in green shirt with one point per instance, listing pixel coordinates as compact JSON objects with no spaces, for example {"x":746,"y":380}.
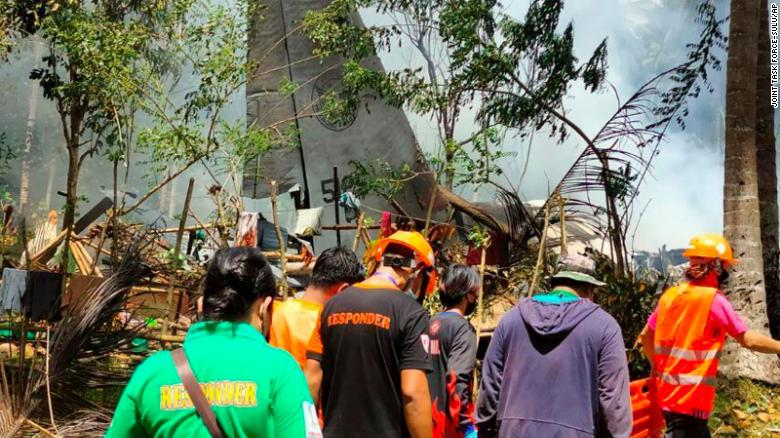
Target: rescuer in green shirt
{"x":254,"y":389}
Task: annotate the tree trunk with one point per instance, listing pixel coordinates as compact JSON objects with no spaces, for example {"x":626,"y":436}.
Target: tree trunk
{"x":741,"y":221}
{"x":32,"y":115}
{"x":71,"y":201}
{"x":767,"y":175}
{"x":449,"y":169}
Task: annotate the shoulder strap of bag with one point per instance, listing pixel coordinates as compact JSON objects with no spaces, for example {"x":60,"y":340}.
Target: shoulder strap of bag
{"x":196,"y":393}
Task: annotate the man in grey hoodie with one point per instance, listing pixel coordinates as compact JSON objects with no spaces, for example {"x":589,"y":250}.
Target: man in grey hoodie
{"x":556,"y":365}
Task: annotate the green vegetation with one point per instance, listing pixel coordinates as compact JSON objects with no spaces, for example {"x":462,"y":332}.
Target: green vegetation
{"x":744,"y":408}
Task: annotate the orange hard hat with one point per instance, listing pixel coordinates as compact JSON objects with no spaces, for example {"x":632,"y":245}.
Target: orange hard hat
{"x":423,"y":253}
{"x":711,"y":246}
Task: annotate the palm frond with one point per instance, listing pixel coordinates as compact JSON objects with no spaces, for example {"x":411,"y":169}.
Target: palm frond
{"x":640,"y":125}
{"x":79,"y":346}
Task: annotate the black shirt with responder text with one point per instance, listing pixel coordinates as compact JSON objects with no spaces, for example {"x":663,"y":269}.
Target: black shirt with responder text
{"x":366,"y":337}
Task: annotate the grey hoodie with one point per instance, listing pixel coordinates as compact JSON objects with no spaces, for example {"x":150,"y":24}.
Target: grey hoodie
{"x":555,"y":370}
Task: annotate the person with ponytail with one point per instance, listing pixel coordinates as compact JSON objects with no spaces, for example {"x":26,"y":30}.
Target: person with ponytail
{"x":247,"y":388}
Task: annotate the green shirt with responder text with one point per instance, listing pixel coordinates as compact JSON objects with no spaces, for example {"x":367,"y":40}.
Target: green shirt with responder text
{"x":254,"y":389}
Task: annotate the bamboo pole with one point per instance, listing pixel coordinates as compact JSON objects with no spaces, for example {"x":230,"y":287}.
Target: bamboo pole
{"x":101,"y":241}
{"x":151,"y":336}
{"x":80,"y":264}
{"x":94,"y":269}
{"x":540,"y":257}
{"x":347,"y":227}
{"x":480,"y":310}
{"x":192,"y":228}
{"x":481,"y":289}
{"x":564,"y":234}
{"x":276,"y":255}
{"x":176,"y":250}
{"x":103,"y":251}
{"x":429,"y":213}
{"x":39,"y":428}
{"x":358,"y":232}
{"x":366,"y":238}
{"x":283,"y":287}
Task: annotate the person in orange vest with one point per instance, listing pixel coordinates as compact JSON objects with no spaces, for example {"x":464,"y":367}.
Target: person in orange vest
{"x":294,"y":320}
{"x":684,"y":337}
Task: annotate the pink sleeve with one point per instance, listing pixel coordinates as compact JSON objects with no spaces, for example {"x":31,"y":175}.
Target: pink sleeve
{"x":723,"y":312}
{"x":651,"y":321}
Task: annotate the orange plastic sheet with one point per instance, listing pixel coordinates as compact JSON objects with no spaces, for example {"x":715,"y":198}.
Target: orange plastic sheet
{"x":648,"y":419}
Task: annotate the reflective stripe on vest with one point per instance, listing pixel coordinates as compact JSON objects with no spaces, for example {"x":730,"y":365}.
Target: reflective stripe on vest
{"x":689,"y":379}
{"x":686,"y":354}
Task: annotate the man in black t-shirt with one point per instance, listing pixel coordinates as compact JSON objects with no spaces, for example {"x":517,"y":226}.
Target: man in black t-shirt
{"x":454,"y":354}
{"x":368,"y":360}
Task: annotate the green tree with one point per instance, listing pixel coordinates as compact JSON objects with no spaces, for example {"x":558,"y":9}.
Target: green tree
{"x":516,"y":71}
{"x":115,"y":71}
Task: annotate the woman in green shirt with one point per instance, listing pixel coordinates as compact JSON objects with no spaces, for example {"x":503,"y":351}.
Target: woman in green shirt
{"x":254,"y":389}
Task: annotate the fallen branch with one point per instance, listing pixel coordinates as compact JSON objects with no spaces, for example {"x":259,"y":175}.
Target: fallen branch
{"x":475,"y":212}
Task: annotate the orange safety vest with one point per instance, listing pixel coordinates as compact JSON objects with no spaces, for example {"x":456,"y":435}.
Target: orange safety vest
{"x":687,"y":350}
{"x":292,"y":324}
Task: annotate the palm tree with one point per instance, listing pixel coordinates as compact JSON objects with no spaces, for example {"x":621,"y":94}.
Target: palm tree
{"x":741,"y":217}
{"x":767,"y":176}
